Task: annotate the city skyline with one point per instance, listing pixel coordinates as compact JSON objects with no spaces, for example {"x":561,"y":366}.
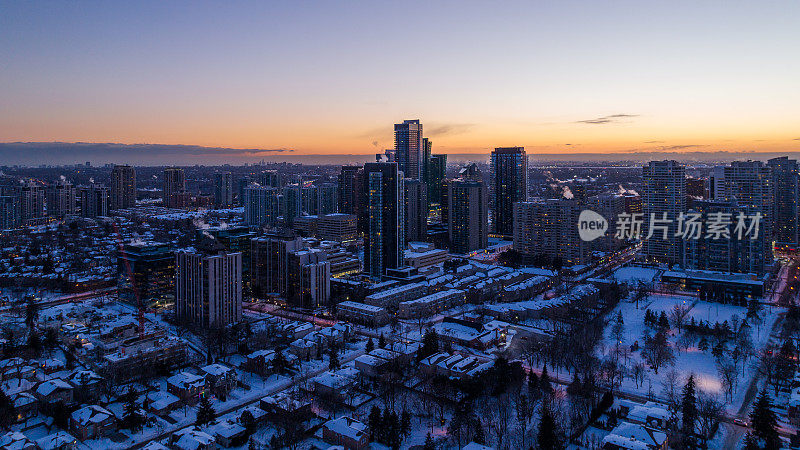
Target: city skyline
{"x":555,"y":79}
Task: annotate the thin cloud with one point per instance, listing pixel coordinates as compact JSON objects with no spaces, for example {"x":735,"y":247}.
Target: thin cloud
{"x":448,"y":129}
{"x":613,"y":118}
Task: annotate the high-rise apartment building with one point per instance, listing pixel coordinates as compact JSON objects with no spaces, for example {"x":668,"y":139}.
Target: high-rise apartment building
{"x":309,"y":278}
{"x":32,"y":200}
{"x":261,"y":205}
{"x":549,"y":228}
{"x":174,"y":187}
{"x":269,"y":263}
{"x":349,"y":190}
{"x":385,"y":228}
{"x":146,"y":273}
{"x":416,"y":198}
{"x":123,"y":187}
{"x":208,"y":285}
{"x":509,"y":184}
{"x":437,"y":167}
{"x":94,"y":200}
{"x":786,"y":190}
{"x":468,"y":221}
{"x":9,"y":210}
{"x":663,"y":199}
{"x":61,"y":198}
{"x":408,"y":148}
{"x":223,"y":190}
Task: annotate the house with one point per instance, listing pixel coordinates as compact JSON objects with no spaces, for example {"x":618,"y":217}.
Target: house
{"x":186,"y":386}
{"x":60,"y":440}
{"x":334,"y":384}
{"x":92,"y":422}
{"x":25,"y":406}
{"x":284,"y":405}
{"x":54,"y":391}
{"x":260,"y":362}
{"x":304,"y":349}
{"x":191,"y":439}
{"x":347,"y":432}
{"x":258,"y":415}
{"x":228,"y":433}
{"x":651,"y":414}
{"x":52,"y":365}
{"x":220,"y":378}
{"x":160,"y":402}
{"x":14,"y":440}
{"x":632,"y":436}
{"x":476,"y":446}
{"x":155,"y":445}
{"x":88,"y":385}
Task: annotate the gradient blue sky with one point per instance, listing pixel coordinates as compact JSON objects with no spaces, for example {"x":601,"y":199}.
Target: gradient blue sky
{"x":332,"y":77}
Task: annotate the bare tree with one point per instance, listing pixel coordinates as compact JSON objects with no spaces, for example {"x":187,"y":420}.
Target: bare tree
{"x":638,"y":373}
{"x":729,"y":376}
{"x":678,"y":315}
{"x":671,"y":390}
{"x":709,"y":411}
{"x":657,"y":351}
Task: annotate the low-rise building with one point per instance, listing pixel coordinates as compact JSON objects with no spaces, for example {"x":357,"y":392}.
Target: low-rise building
{"x":431,"y":304}
{"x":347,"y":432}
{"x":362,"y":313}
{"x":186,"y":386}
{"x":92,"y":422}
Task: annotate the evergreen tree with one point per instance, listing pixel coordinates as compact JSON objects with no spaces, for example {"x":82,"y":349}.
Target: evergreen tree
{"x":764,"y":421}
{"x":429,"y":445}
{"x":374,"y":421}
{"x":533,"y":383}
{"x":370,"y":346}
{"x":381,"y":341}
{"x":31,"y":313}
{"x":547,"y":437}
{"x":334,"y":360}
{"x":205,"y":412}
{"x":544,"y":381}
{"x":279,"y":362}
{"x":430,"y":344}
{"x":7,"y":410}
{"x":663,"y":321}
{"x":405,"y":423}
{"x":131,"y":416}
{"x":689,"y":412}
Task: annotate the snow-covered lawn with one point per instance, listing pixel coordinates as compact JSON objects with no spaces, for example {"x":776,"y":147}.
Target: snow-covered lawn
{"x":691,"y":361}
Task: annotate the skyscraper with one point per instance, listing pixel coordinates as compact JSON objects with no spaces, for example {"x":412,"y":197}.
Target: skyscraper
{"x":427,"y":148}
{"x":223,"y":190}
{"x":261,"y":205}
{"x":60,"y":198}
{"x":468,"y":222}
{"x":292,"y":205}
{"x":748,"y":185}
{"x":548,"y":228}
{"x":123,"y":187}
{"x":208,"y":285}
{"x":416,"y":197}
{"x":385,"y":234}
{"x":269,"y":261}
{"x":437,"y":167}
{"x":664,"y":194}
{"x":786,"y":189}
{"x":9,"y":211}
{"x":509,"y":184}
{"x":31,"y":202}
{"x":348,"y":189}
{"x":174,"y":187}
{"x":146,"y":273}
{"x":94,"y":200}
{"x":309,"y":278}
{"x":408,"y":148}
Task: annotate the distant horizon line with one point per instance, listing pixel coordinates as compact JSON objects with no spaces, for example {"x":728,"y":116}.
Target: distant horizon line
{"x":33,"y":153}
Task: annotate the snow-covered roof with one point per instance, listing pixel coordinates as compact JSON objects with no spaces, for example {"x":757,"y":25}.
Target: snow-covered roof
{"x":91,"y":414}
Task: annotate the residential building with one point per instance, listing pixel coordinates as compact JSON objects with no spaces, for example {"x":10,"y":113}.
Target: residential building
{"x":509,"y":184}
{"x":174,"y":186}
{"x":209,"y":285}
{"x":123,"y":187}
{"x":416,"y":213}
{"x":408,"y":148}
{"x":223,"y":190}
{"x":385,"y":236}
{"x":663,"y":200}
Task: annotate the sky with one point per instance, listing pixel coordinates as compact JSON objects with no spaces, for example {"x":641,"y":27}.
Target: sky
{"x":332,"y":77}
